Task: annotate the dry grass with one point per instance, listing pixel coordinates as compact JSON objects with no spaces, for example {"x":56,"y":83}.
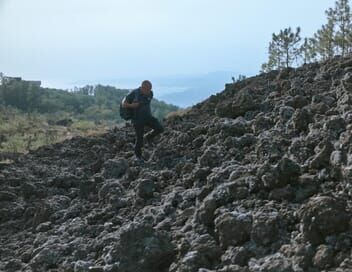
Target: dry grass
{"x":20,"y":133}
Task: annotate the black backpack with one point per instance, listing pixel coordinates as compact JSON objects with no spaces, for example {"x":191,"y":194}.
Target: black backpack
{"x":127,"y":113}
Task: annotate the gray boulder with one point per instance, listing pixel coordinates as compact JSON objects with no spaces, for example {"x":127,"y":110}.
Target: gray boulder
{"x":142,"y":249}
{"x":115,"y":168}
{"x":323,"y":216}
{"x":233,"y":229}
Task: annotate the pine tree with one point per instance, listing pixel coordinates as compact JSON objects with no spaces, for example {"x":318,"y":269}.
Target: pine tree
{"x":283,"y":49}
{"x":342,"y":16}
{"x":334,"y":37}
{"x":274,"y":61}
{"x":308,"y":50}
{"x":325,"y":38}
{"x":289,"y":45}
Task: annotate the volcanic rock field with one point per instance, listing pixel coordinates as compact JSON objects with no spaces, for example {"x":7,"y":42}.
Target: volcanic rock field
{"x":256,"y":179}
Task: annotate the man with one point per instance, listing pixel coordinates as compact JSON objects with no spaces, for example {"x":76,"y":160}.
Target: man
{"x":139,"y":100}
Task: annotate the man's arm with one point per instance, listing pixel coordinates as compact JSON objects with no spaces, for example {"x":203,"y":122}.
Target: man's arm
{"x":128,"y":101}
{"x":132,"y":105}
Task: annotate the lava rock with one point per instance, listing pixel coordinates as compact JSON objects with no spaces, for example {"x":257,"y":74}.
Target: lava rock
{"x":233,"y":229}
{"x":145,"y":188}
{"x":142,"y":249}
{"x":7,"y":196}
{"x":323,"y":258}
{"x":265,"y":228}
{"x":323,"y":216}
{"x":115,"y":168}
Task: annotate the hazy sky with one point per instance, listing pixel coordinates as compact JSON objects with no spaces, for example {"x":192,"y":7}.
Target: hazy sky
{"x":93,"y":40}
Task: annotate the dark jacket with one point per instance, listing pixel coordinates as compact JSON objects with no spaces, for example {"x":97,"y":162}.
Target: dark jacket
{"x":143,"y":111}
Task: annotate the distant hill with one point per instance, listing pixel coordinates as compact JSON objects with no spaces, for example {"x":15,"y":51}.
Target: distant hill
{"x":96,"y":103}
{"x":181,"y":90}
{"x":31,"y":116}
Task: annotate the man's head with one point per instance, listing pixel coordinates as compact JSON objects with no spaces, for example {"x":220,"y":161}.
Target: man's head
{"x":146,"y":86}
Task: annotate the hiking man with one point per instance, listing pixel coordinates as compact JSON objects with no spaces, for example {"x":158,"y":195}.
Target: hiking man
{"x":139,"y":100}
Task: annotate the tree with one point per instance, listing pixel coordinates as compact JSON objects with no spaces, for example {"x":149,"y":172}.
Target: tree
{"x":274,"y":61}
{"x":308,"y":50}
{"x":283,"y":49}
{"x":342,"y":18}
{"x":325,"y":39}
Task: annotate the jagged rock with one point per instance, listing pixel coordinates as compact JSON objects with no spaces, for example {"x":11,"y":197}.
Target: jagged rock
{"x":109,"y":189}
{"x":233,"y":268}
{"x":145,"y":188}
{"x":230,"y":127}
{"x":323,"y":216}
{"x":48,"y":257}
{"x":288,"y":171}
{"x":115,"y":168}
{"x":299,"y":101}
{"x":302,"y":259}
{"x":265,"y":228}
{"x":280,"y":194}
{"x":323,"y":257}
{"x":206,"y":246}
{"x":322,"y":158}
{"x":206,"y":211}
{"x":105,"y":268}
{"x":43,"y":227}
{"x":299,"y":150}
{"x":243,"y":101}
{"x":269,"y":148}
{"x":14,"y":266}
{"x":82,"y":266}
{"x":141,"y":249}
{"x":255,"y":178}
{"x":301,"y":119}
{"x":236,"y":255}
{"x":210,"y":157}
{"x":271,"y":263}
{"x":87,"y":187}
{"x":233,"y":229}
{"x":262,"y":123}
{"x":222,"y":194}
{"x":286,"y":112}
{"x":336,"y":124}
{"x":7,"y":196}
{"x":336,"y":158}
{"x":193,"y":261}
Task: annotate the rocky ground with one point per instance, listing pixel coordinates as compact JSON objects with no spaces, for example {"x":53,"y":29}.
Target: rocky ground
{"x":256,"y":178}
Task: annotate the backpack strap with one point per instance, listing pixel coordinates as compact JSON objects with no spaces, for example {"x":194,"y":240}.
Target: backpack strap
{"x":137,"y":93}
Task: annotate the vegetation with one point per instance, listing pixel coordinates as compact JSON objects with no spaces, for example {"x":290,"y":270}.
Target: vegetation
{"x":21,"y":132}
{"x":94,"y":103}
{"x":31,"y":116}
{"x":287,"y":48}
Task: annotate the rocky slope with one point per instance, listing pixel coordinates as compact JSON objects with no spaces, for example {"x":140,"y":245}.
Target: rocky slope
{"x":256,"y":178}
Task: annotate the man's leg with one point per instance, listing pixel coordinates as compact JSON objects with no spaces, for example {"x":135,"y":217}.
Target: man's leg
{"x":156,"y":126}
{"x":139,"y":128}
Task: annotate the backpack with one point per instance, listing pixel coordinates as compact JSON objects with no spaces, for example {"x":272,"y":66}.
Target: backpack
{"x":127,"y":113}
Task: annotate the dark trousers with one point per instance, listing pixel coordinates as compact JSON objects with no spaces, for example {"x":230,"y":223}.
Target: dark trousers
{"x":139,"y":125}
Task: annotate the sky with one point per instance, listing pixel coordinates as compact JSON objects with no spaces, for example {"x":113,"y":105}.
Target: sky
{"x":63,"y":42}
